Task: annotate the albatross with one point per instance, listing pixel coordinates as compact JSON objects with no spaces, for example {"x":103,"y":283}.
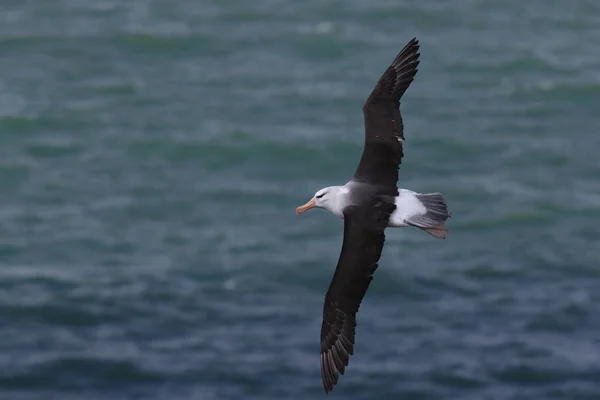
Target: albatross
{"x":368,"y":203}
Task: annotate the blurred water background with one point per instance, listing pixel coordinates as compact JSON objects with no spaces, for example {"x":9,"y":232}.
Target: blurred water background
{"x":152,"y":154}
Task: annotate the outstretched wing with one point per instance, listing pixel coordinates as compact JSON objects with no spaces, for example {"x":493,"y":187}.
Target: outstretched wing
{"x":361,"y":249}
{"x":384,"y":131}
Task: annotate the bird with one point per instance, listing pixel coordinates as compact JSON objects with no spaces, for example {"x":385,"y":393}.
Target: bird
{"x":369,"y":203}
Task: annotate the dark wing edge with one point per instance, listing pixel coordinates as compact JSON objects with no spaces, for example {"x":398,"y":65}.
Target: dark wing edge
{"x":359,"y":257}
{"x":399,"y":75}
{"x":384,"y":129}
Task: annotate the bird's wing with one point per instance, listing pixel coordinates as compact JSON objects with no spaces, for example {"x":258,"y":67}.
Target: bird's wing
{"x":384,"y":130}
{"x":361,"y":250}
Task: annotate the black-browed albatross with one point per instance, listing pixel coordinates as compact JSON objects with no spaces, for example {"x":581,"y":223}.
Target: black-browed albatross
{"x":369,"y":203}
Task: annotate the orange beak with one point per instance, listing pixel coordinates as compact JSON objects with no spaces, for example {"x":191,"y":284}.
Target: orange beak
{"x":306,"y":207}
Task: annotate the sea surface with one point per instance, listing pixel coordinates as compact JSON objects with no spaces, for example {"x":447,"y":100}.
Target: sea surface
{"x":152,"y":154}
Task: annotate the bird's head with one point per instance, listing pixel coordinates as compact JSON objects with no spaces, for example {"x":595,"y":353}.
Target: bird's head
{"x":322,"y":199}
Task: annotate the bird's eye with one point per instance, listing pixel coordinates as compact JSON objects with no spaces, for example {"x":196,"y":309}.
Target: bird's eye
{"x":320,"y":195}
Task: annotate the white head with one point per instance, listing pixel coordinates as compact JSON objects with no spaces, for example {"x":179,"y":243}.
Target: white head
{"x":327,"y":198}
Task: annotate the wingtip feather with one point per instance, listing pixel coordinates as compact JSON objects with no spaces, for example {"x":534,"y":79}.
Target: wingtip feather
{"x":399,"y":75}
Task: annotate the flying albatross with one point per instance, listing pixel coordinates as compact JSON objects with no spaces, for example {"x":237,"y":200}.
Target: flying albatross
{"x":368,"y":204}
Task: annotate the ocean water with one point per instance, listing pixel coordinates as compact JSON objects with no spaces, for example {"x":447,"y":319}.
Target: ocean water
{"x":152,"y":154}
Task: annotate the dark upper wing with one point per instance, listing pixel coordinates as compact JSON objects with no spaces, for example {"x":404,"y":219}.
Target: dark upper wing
{"x":358,"y":260}
{"x":382,"y":152}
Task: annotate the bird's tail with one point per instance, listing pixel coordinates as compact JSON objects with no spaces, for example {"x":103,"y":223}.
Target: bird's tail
{"x":435,"y":216}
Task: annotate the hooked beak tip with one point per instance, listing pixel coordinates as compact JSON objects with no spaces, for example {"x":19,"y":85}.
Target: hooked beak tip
{"x":306,"y":206}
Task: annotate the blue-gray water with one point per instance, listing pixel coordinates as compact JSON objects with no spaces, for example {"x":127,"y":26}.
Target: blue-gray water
{"x":152,"y":154}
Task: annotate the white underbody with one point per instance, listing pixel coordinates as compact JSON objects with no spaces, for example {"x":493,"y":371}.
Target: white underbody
{"x":407,"y":205}
{"x":336,"y":198}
